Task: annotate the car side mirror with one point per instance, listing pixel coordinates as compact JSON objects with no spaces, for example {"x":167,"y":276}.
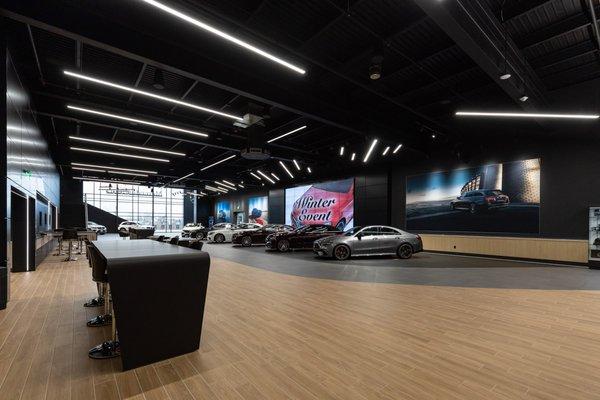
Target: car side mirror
{"x":359,"y":236}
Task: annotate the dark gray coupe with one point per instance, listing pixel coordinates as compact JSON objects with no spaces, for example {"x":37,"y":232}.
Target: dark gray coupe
{"x":375,"y":240}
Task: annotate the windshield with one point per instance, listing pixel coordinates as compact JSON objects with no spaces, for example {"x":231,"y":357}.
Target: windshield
{"x":190,"y":224}
{"x":352,"y":231}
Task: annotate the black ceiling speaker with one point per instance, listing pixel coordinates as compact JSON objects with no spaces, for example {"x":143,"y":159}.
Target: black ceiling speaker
{"x":158,"y":82}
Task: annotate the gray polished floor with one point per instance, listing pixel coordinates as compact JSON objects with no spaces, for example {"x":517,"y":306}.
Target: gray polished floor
{"x":422,"y":269}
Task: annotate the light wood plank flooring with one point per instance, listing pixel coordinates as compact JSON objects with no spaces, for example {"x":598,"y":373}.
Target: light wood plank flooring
{"x":274,"y":336}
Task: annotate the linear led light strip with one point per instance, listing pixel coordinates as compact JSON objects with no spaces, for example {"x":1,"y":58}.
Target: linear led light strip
{"x":296,"y":164}
{"x":217,"y":163}
{"x":265,"y":176}
{"x":286,"y":134}
{"x":105,"y":180}
{"x":525,"y":115}
{"x":148,"y":94}
{"x":214,"y":189}
{"x":386,"y":150}
{"x":226,"y":184}
{"x":183,"y":177}
{"x":112,"y":153}
{"x":256,"y":176}
{"x":127,"y":173}
{"x":128,"y":146}
{"x":201,"y":194}
{"x":274,"y":176}
{"x":224,"y":35}
{"x":138,"y":121}
{"x":88,"y":169}
{"x":286,"y":169}
{"x":397,"y":148}
{"x":113,"y":168}
{"x":109,"y":171}
{"x":373,"y":144}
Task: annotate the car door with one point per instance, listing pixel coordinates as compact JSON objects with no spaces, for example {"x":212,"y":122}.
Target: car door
{"x":389,"y":240}
{"x":368,"y":242}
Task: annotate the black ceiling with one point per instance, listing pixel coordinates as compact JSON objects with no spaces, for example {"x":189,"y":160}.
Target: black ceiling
{"x":430,"y":69}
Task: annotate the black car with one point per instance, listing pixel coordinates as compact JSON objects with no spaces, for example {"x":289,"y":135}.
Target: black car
{"x":476,"y":200}
{"x":258,"y":236}
{"x":301,"y":238}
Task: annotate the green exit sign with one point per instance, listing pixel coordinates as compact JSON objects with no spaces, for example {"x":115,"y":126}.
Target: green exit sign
{"x":27,"y":172}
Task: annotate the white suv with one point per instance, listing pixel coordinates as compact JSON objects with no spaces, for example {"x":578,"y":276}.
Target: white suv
{"x":125,"y":225}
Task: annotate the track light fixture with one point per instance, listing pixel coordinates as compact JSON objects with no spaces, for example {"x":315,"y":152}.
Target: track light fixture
{"x":137,"y":121}
{"x":158,"y":82}
{"x":524,"y":98}
{"x":375,"y":67}
{"x":223,"y":35}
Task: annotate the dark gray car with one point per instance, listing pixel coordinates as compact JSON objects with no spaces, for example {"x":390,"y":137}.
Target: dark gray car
{"x":476,"y":200}
{"x":375,"y":240}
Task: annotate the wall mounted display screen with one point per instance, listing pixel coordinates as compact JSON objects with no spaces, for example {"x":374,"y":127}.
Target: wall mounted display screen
{"x":223,"y":211}
{"x":329,"y":203}
{"x":258,"y":210}
{"x":494,"y":198}
{"x":594,"y":255}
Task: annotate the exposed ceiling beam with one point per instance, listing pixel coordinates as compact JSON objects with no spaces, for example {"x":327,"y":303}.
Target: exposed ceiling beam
{"x":516,"y":8}
{"x":35,"y":54}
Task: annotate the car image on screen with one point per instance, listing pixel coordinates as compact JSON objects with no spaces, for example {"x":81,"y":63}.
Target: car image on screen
{"x":328,"y":203}
{"x":480,"y":200}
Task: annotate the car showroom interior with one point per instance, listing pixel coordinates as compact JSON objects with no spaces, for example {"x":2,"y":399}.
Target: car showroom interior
{"x":300,"y":199}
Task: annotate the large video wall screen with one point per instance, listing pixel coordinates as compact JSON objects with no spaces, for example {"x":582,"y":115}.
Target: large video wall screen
{"x":494,"y":198}
{"x":329,"y":203}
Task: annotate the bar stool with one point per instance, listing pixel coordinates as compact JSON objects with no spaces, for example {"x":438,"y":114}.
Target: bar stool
{"x":96,"y":301}
{"x":110,"y":348}
{"x":60,"y":239}
{"x":99,"y":276}
{"x":69,"y":236}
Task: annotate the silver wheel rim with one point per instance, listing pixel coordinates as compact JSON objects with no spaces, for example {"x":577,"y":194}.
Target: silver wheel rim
{"x":341,"y":252}
{"x":246,"y":241}
{"x":283,"y":245}
{"x":220,"y":238}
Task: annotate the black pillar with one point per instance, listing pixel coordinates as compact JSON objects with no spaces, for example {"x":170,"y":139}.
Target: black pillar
{"x":3,"y":172}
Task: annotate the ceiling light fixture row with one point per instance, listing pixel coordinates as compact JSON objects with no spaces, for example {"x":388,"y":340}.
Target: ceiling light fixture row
{"x":110,"y":167}
{"x":223,"y":35}
{"x":128,"y":146}
{"x":525,"y":115}
{"x":112,"y":153}
{"x":370,"y":150}
{"x":96,"y":179}
{"x":148,"y":94}
{"x":287,"y":134}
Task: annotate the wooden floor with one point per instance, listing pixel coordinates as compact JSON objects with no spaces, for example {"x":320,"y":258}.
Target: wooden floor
{"x":274,"y":336}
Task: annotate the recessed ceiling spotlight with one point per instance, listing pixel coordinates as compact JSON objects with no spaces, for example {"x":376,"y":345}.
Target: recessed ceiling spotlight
{"x":137,"y":121}
{"x":287,"y":134}
{"x":385,"y":151}
{"x":286,"y":169}
{"x":375,"y":67}
{"x":524,"y":98}
{"x":505,"y":76}
{"x":373,"y":144}
{"x":114,"y":168}
{"x":525,"y":115}
{"x":148,"y":94}
{"x":296,"y":164}
{"x":353,"y":156}
{"x":111,"y":153}
{"x":217,"y":163}
{"x":397,"y":148}
{"x":341,"y":150}
{"x":433,"y":135}
{"x":206,"y":27}
{"x":128,"y":146}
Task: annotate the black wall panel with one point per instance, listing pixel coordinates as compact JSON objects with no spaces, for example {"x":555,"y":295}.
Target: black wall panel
{"x":371,"y":203}
{"x":277,"y":206}
{"x":71,"y":200}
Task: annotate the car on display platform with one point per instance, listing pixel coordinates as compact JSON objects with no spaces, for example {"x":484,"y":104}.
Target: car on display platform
{"x":374,"y":240}
{"x":480,"y":200}
{"x":194,"y":230}
{"x":258,"y":236}
{"x":99,"y":229}
{"x":224,"y":234}
{"x":301,"y":238}
{"x":330,"y":202}
{"x":125,"y":225}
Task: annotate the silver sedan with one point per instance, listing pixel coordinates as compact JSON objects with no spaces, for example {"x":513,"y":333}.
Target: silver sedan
{"x":375,"y":240}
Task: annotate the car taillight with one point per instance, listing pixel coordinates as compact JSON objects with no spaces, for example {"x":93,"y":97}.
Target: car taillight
{"x":490,"y":199}
{"x":419,"y":238}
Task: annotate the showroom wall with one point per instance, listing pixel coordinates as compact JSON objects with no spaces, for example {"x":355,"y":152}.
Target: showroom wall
{"x":570,"y":176}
